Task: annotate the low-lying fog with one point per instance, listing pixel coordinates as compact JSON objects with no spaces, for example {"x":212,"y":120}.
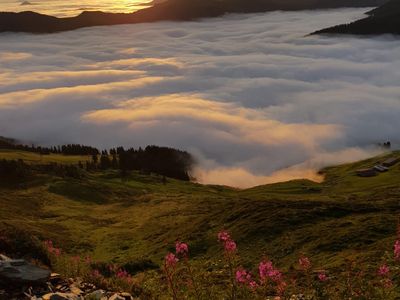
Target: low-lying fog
{"x":251,"y":96}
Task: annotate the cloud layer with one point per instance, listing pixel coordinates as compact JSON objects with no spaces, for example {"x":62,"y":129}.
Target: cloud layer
{"x":253,"y":97}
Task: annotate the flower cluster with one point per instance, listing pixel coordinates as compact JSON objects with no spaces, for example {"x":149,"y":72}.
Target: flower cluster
{"x":122,"y":274}
{"x":181,"y":248}
{"x":267,"y":270}
{"x":49,"y":246}
{"x":171,"y":260}
{"x":383,"y":270}
{"x":322,"y":276}
{"x":223,"y":236}
{"x":170,"y":265}
{"x":384,"y":273}
{"x":244,"y":277}
{"x":229,"y":244}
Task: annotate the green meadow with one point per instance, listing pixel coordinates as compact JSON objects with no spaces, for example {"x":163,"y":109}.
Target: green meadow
{"x":140,"y":217}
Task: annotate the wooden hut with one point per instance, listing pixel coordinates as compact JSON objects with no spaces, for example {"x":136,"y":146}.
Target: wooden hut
{"x":366,"y":172}
{"x":390,"y":162}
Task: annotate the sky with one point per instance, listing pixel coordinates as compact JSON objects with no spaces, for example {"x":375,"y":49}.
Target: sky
{"x":253,"y":97}
{"x":69,"y":8}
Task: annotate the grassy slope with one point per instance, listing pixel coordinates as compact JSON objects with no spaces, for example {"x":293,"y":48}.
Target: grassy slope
{"x":30,"y":157}
{"x":344,"y":217}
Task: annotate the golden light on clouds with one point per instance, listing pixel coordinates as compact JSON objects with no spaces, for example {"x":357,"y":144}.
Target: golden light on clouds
{"x":13,"y":56}
{"x":80,"y":90}
{"x":224,"y":119}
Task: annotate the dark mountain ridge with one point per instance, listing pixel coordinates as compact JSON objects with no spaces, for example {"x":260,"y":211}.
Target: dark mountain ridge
{"x":172,"y":10}
{"x":389,"y":8}
{"x":382,"y":20}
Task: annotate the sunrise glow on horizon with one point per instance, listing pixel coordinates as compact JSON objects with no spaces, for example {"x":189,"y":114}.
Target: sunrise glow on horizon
{"x":72,"y":8}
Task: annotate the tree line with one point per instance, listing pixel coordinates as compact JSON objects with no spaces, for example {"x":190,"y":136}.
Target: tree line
{"x":69,"y":149}
{"x":165,"y":161}
{"x":153,"y":159}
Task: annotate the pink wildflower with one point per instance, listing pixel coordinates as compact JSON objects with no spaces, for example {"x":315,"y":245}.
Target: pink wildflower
{"x":253,"y":285}
{"x":230,"y":246}
{"x":171,"y":260}
{"x":244,"y":277}
{"x":322,"y":276}
{"x":267,"y":270}
{"x":304,"y":263}
{"x":224,"y":236}
{"x":397,"y":250}
{"x":122,"y":274}
{"x":241,"y":275}
{"x":383,"y":270}
{"x":181,"y":248}
{"x":263,"y":269}
{"x":275,"y":275}
{"x":51,"y":249}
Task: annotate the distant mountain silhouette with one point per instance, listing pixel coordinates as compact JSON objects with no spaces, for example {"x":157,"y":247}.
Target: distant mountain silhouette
{"x":171,"y":10}
{"x":382,"y":20}
{"x":389,"y":8}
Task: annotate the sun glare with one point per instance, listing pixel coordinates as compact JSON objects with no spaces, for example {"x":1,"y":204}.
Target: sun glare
{"x":74,"y":7}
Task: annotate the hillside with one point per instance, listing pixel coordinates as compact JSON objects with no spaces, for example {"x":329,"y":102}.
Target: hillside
{"x":140,"y":217}
{"x":387,"y":9}
{"x":383,"y":20}
{"x":171,"y":10}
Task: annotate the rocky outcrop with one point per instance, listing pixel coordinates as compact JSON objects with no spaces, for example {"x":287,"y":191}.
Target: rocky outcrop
{"x":21,"y":280}
{"x":18,"y":271}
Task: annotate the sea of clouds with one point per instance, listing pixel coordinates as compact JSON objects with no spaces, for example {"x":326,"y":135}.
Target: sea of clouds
{"x":251,"y":96}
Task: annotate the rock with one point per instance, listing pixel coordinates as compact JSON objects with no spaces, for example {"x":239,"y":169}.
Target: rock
{"x":126,"y":296}
{"x":97,"y":295}
{"x":19,"y":271}
{"x":75,"y":290}
{"x":55,"y":277}
{"x":116,"y":297}
{"x":61,"y":296}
